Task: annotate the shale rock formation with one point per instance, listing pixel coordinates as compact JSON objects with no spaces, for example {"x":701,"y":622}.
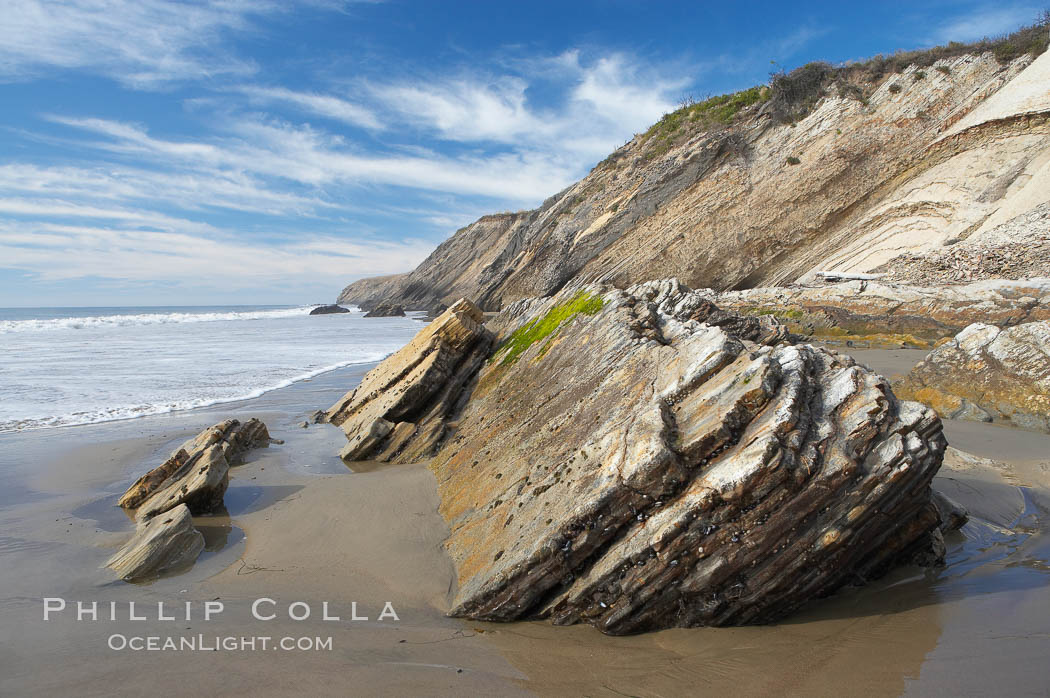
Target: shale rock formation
{"x":398,"y":410}
{"x":328,"y":310}
{"x":197,"y":473}
{"x":923,"y":313}
{"x":162,"y":544}
{"x":386,"y":310}
{"x":911,"y":160}
{"x":620,"y":462}
{"x":193,"y":480}
{"x":987,"y":373}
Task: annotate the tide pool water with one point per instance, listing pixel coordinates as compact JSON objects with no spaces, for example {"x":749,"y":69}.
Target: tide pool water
{"x":66,"y":366}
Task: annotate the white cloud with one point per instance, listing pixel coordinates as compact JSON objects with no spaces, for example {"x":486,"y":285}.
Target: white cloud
{"x":324,"y":105}
{"x":141,"y":43}
{"x":604,"y":101}
{"x":145,"y":187}
{"x":989,"y":22}
{"x":65,"y":252}
{"x":146,"y":206}
{"x":311,"y":157}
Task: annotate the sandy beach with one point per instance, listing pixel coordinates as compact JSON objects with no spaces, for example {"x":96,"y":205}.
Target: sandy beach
{"x":301,"y":527}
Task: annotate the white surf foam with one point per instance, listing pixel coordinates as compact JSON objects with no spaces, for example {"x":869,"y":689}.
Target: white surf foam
{"x":141,"y":319}
{"x":110,"y":414}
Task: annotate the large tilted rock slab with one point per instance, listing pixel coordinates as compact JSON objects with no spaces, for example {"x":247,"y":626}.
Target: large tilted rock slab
{"x":987,"y":373}
{"x":197,"y":473}
{"x":621,"y":463}
{"x":399,"y":408}
{"x":162,"y":544}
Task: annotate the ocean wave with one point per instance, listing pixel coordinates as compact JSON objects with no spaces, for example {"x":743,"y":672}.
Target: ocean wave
{"x":102,"y":321}
{"x":112,"y":414}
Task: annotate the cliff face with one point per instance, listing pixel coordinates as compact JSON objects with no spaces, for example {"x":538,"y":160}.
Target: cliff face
{"x":910,"y":162}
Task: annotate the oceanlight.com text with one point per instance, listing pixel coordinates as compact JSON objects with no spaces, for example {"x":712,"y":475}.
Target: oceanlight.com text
{"x":217,"y":643}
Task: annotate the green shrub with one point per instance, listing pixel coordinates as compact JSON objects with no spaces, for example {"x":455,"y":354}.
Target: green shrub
{"x":918,"y":75}
{"x":793,"y":95}
{"x":792,"y":160}
{"x":716,"y":111}
{"x":944,"y":69}
{"x":895,"y":88}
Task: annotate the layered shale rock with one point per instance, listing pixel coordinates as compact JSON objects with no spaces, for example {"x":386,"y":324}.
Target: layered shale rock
{"x":329,"y":310}
{"x":386,"y":310}
{"x":619,"y":461}
{"x":398,"y":410}
{"x":162,"y":544}
{"x":197,"y":473}
{"x":988,"y":373}
{"x":919,"y":315}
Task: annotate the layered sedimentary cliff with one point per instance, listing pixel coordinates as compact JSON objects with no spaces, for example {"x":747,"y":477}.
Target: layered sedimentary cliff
{"x":640,"y":459}
{"x":755,"y":189}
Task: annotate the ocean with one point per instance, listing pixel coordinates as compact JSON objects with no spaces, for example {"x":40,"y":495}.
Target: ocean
{"x":68,"y":366}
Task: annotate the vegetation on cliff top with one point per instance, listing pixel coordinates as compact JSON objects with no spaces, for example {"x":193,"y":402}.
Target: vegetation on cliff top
{"x":544,"y":327}
{"x":792,"y":95}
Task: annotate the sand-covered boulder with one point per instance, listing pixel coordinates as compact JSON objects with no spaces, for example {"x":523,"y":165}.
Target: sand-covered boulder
{"x":621,"y":462}
{"x":988,"y":373}
{"x":197,"y":473}
{"x":162,"y":544}
{"x":399,"y":408}
{"x":387,"y":310}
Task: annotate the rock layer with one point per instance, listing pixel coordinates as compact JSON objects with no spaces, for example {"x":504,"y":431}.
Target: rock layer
{"x":399,"y":408}
{"x":988,"y":373}
{"x":197,"y":473}
{"x":918,"y":314}
{"x":929,"y":156}
{"x":162,"y":544}
{"x":329,"y":310}
{"x":622,"y":463}
{"x":386,"y":310}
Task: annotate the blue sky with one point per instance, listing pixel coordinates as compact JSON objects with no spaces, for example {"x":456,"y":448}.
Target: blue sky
{"x":156,"y":152}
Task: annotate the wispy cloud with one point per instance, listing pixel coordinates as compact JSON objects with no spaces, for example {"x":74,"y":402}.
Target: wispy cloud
{"x":328,"y":106}
{"x":264,"y":180}
{"x":140,"y":43}
{"x":56,"y":252}
{"x":984,"y":22}
{"x":311,"y":157}
{"x":604,"y":99}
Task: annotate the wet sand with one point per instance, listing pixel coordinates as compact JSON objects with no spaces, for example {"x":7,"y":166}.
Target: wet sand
{"x":299,"y":526}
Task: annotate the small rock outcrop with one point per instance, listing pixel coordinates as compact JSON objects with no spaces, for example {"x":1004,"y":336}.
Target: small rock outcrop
{"x":621,"y":461}
{"x":399,"y":408}
{"x":987,"y":373}
{"x":328,"y":310}
{"x":162,"y":544}
{"x":197,"y":473}
{"x":386,"y":310}
{"x":918,"y":315}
